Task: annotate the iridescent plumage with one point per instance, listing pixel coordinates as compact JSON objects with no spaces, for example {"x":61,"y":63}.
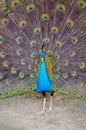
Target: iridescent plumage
{"x":25,"y":25}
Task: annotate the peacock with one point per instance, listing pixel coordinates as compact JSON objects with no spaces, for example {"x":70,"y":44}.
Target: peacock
{"x":43,"y":48}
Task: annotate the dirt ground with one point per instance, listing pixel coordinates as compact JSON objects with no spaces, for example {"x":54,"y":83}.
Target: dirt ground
{"x":23,"y":113}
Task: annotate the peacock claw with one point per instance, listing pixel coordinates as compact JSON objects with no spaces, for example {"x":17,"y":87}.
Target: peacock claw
{"x":43,"y":113}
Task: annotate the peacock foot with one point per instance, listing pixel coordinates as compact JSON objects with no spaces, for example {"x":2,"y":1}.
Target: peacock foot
{"x":43,"y":112}
{"x":50,"y":109}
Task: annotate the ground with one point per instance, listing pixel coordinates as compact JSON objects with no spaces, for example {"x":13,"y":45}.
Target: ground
{"x":23,"y":113}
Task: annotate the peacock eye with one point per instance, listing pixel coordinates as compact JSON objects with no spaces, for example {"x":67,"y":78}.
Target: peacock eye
{"x":33,"y":43}
{"x":23,"y":61}
{"x":5,"y":22}
{"x":58,"y":68}
{"x":65,"y":75}
{"x":6,"y":1}
{"x":72,"y":53}
{"x":19,"y":40}
{"x":5,"y":10}
{"x":74,"y":93}
{"x":73,"y":73}
{"x":82,"y":65}
{"x":3,"y":54}
{"x":80,"y":84}
{"x":15,"y":3}
{"x":32,"y":76}
{"x":13,"y":70}
{"x":35,"y":69}
{"x":61,"y":7}
{"x":57,"y":77}
{"x":19,"y":52}
{"x":30,"y":67}
{"x":57,"y":56}
{"x":81,"y":4}
{"x":33,"y":55}
{"x":54,"y":30}
{"x":1,"y":39}
{"x":81,"y":97}
{"x":46,"y":40}
{"x":69,"y":93}
{"x":74,"y":40}
{"x":58,"y":44}
{"x":49,"y":52}
{"x":21,"y":75}
{"x":6,"y":64}
{"x":1,"y":75}
{"x":36,"y":62}
{"x":45,"y":17}
{"x":8,"y":82}
{"x":22,"y":24}
{"x":65,"y":62}
{"x":34,"y":86}
{"x":69,"y":23}
{"x":37,"y":30}
{"x":30,"y":8}
{"x":62,"y":89}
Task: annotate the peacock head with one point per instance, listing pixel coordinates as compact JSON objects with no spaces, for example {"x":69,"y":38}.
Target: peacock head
{"x":42,"y":54}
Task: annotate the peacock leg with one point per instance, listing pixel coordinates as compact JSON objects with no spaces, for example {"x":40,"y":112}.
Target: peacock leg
{"x":51,"y":101}
{"x":43,"y":109}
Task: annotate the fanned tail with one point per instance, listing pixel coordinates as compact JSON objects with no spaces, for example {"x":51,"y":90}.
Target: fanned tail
{"x":25,"y":25}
